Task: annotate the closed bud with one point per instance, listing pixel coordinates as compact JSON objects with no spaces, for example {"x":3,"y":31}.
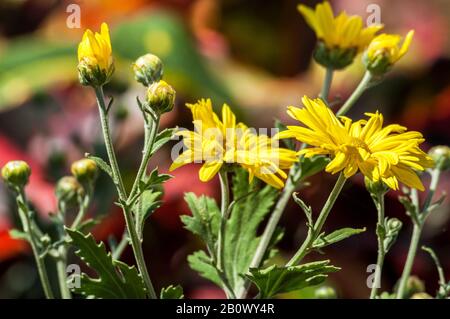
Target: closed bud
{"x":68,"y":189}
{"x":414,"y":285}
{"x":16,"y":173}
{"x":392,"y":228}
{"x":441,"y":156}
{"x":148,"y":69}
{"x":325,"y":292}
{"x":421,"y":295}
{"x":376,"y":188}
{"x":160,"y":97}
{"x":85,"y":170}
{"x":95,"y":60}
{"x":393,"y":225}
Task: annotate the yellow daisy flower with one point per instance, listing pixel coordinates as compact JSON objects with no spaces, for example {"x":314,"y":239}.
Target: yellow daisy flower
{"x":262,"y":157}
{"x":341,"y":37}
{"x":390,"y":154}
{"x":385,"y":50}
{"x":95,"y":60}
{"x":216,"y":142}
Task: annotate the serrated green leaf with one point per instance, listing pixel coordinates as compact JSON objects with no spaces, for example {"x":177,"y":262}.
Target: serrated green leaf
{"x":336,"y":236}
{"x":101,"y":163}
{"x":144,"y":207}
{"x":116,"y":280}
{"x":203,"y":264}
{"x":205,"y":218}
{"x":172,"y":292}
{"x":275,"y":280}
{"x":162,"y":138}
{"x":241,"y":238}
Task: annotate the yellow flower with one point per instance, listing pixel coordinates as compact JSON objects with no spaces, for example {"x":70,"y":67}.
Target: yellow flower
{"x":390,"y":154}
{"x":216,"y":142}
{"x":262,"y":157}
{"x":95,"y":60}
{"x":385,"y":50}
{"x":341,"y":37}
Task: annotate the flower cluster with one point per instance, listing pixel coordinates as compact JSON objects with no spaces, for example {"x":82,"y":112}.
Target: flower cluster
{"x":390,"y":154}
{"x":215,"y":142}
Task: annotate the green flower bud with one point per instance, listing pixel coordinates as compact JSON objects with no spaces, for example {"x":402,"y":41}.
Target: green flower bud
{"x":393,"y":226}
{"x":85,"y":170}
{"x":16,"y":173}
{"x":325,"y":292}
{"x":334,"y":58}
{"x":148,"y":69}
{"x":375,"y":188}
{"x":414,"y":285}
{"x":160,"y":97}
{"x":378,"y":65}
{"x":68,"y":189}
{"x":92,"y":75}
{"x":421,"y":295}
{"x":441,"y":156}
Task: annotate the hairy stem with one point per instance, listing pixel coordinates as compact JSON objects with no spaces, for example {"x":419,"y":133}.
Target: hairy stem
{"x":135,"y":242}
{"x":24,"y":214}
{"x":381,"y":253}
{"x":360,"y":89}
{"x":318,"y":225}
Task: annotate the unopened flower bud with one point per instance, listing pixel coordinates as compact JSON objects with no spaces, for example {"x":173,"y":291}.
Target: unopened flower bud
{"x":85,"y":170}
{"x":161,"y":97}
{"x":148,"y":69}
{"x":95,"y":60}
{"x":414,"y":285}
{"x":441,"y":156}
{"x":385,"y":50}
{"x":16,"y":173}
{"x":421,"y":295}
{"x":325,"y":292}
{"x":375,"y":188}
{"x":392,"y":228}
{"x":393,"y":225}
{"x":68,"y":189}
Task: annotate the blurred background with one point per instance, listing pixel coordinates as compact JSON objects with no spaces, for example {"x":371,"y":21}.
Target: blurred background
{"x":254,"y":55}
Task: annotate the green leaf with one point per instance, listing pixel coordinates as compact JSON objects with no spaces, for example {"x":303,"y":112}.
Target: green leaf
{"x":18,"y":234}
{"x":153,"y":180}
{"x":313,"y":165}
{"x":336,"y":236}
{"x":172,"y":292}
{"x":205,"y":218}
{"x":241,"y":238}
{"x":101,"y":163}
{"x":144,"y":207}
{"x":203,"y":264}
{"x":275,"y":280}
{"x":116,"y":280}
{"x":162,"y":138}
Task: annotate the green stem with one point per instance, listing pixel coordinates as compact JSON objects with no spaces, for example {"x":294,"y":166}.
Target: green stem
{"x":362,"y":86}
{"x":381,"y":253}
{"x":83,"y":206}
{"x":135,"y":242}
{"x":318,"y":225}
{"x":61,"y":266}
{"x":225,"y":201}
{"x":326,"y":84}
{"x":117,"y":178}
{"x":150,"y":140}
{"x":121,"y":246}
{"x":26,"y":224}
{"x":417,"y":230}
